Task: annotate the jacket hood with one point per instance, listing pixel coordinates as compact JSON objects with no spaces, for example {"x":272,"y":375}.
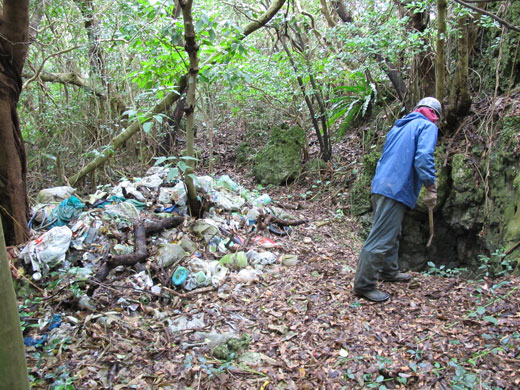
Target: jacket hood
{"x":408,"y":118}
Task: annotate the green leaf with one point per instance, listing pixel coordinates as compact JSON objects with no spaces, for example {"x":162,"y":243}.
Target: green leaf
{"x":147,"y":126}
{"x":212,"y":34}
{"x":481,"y":310}
{"x":493,"y":320}
{"x":182,"y":166}
{"x":172,"y":174}
{"x":159,"y":160}
{"x":189,"y":158}
{"x":199,"y":25}
{"x":158,"y":118}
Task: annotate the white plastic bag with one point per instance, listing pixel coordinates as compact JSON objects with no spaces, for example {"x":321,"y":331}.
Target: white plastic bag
{"x":48,"y":250}
{"x":55,"y":194}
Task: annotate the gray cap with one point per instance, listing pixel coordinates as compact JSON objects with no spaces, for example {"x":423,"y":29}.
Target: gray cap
{"x":432,"y":103}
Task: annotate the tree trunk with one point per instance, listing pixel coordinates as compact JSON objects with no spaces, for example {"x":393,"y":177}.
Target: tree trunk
{"x":343,"y":13}
{"x":192,"y":49}
{"x":326,"y":13}
{"x":14,"y":39}
{"x":174,"y":125}
{"x":424,"y":60}
{"x":459,"y":101}
{"x":324,"y":144}
{"x":13,"y":368}
{"x":95,"y":50}
{"x":441,"y":38}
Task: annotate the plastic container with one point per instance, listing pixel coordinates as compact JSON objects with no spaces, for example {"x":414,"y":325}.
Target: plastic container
{"x":179,"y":276}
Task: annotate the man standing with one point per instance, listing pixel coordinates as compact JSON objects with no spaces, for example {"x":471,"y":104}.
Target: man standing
{"x":406,"y":164}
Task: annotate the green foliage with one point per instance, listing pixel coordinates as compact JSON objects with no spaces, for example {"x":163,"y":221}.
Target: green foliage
{"x":463,"y":379}
{"x":352,"y":101}
{"x":443,"y":271}
{"x":62,"y":380}
{"x":179,"y":170}
{"x":496,"y":265}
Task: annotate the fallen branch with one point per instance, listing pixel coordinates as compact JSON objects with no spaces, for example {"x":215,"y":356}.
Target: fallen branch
{"x":140,"y":253}
{"x":512,"y":249}
{"x":323,"y":223}
{"x":282,"y":222}
{"x":122,"y":137}
{"x":297,"y":206}
{"x":190,"y":293}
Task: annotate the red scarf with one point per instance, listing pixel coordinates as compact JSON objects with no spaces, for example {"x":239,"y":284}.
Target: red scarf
{"x":428,"y":113}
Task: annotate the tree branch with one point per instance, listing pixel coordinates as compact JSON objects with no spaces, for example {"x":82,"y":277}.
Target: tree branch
{"x":122,"y":137}
{"x":35,"y":76}
{"x":491,"y":15}
{"x":262,"y":20}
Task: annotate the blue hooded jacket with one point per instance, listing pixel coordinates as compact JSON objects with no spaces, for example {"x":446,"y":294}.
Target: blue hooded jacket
{"x":407,"y":160}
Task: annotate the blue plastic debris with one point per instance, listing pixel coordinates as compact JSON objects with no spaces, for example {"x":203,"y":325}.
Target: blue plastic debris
{"x":66,"y":211}
{"x":179,"y":276}
{"x":35,"y":341}
{"x":55,"y":321}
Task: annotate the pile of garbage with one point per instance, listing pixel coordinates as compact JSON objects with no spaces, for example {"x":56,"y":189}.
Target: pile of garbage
{"x":76,"y":235}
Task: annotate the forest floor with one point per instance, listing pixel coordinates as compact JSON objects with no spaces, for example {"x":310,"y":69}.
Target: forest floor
{"x":296,"y":327}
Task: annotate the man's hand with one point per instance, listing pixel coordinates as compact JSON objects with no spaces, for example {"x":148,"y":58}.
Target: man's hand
{"x":430,"y":197}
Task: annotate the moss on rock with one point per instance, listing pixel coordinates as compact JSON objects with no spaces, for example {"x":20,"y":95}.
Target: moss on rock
{"x":279,"y":161}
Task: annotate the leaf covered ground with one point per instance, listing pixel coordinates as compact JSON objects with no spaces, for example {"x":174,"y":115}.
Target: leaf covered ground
{"x":297,"y":326}
{"x":306,"y":329}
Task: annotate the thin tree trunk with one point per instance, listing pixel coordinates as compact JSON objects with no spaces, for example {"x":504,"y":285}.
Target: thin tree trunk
{"x":192,"y":49}
{"x":459,"y":101}
{"x":174,"y":126}
{"x":344,"y":15}
{"x":308,"y":102}
{"x":97,"y":64}
{"x":13,"y":368}
{"x":441,"y":38}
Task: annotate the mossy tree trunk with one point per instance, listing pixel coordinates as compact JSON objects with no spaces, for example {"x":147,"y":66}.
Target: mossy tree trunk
{"x":459,"y":99}
{"x":191,"y":48}
{"x":13,"y":368}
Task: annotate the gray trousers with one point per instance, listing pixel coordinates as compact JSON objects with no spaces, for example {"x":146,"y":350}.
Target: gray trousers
{"x":379,"y":254}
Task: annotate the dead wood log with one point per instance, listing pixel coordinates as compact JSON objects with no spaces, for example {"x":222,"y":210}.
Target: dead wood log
{"x":264,"y":220}
{"x":140,"y":253}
